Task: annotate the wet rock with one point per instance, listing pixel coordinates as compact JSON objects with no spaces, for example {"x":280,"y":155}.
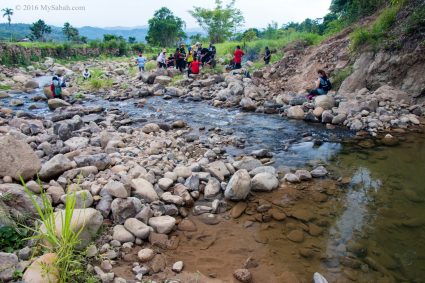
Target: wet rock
{"x":296,"y":236}
{"x":55,"y":166}
{"x":8,"y":264}
{"x":327,"y":116}
{"x":314,"y":230}
{"x":209,"y":219}
{"x":277,"y":214}
{"x":247,"y":104}
{"x":243,"y":275}
{"x":150,"y":128}
{"x":247,"y":163}
{"x":291,"y":178}
{"x":55,"y":103}
{"x":122,"y":235}
{"x":212,"y":189}
{"x":123,"y":208}
{"x":339,"y":119}
{"x":145,"y":255}
{"x":319,"y":172}
{"x":36,"y":272}
{"x":144,"y":189}
{"x":17,"y":159}
{"x":187,"y":225}
{"x":16,"y":102}
{"x":239,"y":185}
{"x":296,"y":112}
{"x":238,"y":209}
{"x":264,"y":182}
{"x":162,"y":224}
{"x":303,"y":175}
{"x":389,"y":140}
{"x":302,"y":214}
{"x":137,"y":228}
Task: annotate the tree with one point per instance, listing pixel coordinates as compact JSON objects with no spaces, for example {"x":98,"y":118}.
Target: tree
{"x":70,"y":32}
{"x":165,"y":29}
{"x":39,"y":29}
{"x":131,"y":39}
{"x":8,"y":12}
{"x":194,"y":38}
{"x":250,"y":35}
{"x":221,"y":22}
{"x":271,"y":31}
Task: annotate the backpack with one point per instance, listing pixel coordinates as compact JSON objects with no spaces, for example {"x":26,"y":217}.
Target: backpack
{"x":325,"y":84}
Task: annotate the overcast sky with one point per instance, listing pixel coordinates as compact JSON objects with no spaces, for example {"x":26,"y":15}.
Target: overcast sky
{"x":130,"y":13}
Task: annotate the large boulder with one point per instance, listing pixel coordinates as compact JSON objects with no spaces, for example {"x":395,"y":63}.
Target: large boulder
{"x":17,"y":159}
{"x":162,"y":80}
{"x":84,"y":221}
{"x":248,"y":163}
{"x":147,"y":77}
{"x":327,"y":102}
{"x":56,"y":103}
{"x":37,"y":271}
{"x":55,"y":166}
{"x":218,"y":169}
{"x":150,"y":128}
{"x":296,"y":112}
{"x":31,"y":84}
{"x":239,"y":185}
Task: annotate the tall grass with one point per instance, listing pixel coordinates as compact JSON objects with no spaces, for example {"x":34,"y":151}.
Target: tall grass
{"x":68,"y":264}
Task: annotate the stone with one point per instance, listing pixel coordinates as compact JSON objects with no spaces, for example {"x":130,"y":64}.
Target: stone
{"x":183,"y":171}
{"x":209,"y":219}
{"x":18,"y":203}
{"x":124,"y":208}
{"x":168,"y":197}
{"x":158,"y":263}
{"x":178,"y":266}
{"x":8,"y":264}
{"x":277,"y":214}
{"x":117,"y":189}
{"x":339,"y":119}
{"x":247,"y":163}
{"x":314,"y":230}
{"x":212,"y":189}
{"x":318,"y":111}
{"x":356,"y":125}
{"x":122,"y":235}
{"x":55,"y":193}
{"x":303,"y":175}
{"x":144,"y":189}
{"x":162,"y":224}
{"x":291,"y":178}
{"x":319,"y":172}
{"x":218,"y":169}
{"x":36,"y":272}
{"x":31,"y":84}
{"x":302,"y":214}
{"x":77,"y":143}
{"x":238,"y":209}
{"x":55,"y":103}
{"x":263,"y":169}
{"x":239,"y":185}
{"x":83,"y":199}
{"x":16,"y":102}
{"x":187,"y":225}
{"x":264,"y":182}
{"x":24,"y":253}
{"x":17,"y":159}
{"x":55,"y":166}
{"x":150,"y":128}
{"x":296,"y":236}
{"x":247,"y":104}
{"x":165,"y":183}
{"x":145,"y":255}
{"x":162,"y":80}
{"x":389,"y":140}
{"x":243,"y":275}
{"x":326,"y":102}
{"x":327,"y":116}
{"x":101,"y":160}
{"x":86,"y":221}
{"x":296,"y":112}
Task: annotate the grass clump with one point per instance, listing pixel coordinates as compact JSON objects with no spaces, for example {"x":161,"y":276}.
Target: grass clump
{"x":416,"y":21}
{"x":70,"y":263}
{"x":5,"y":87}
{"x":12,"y":238}
{"x":149,"y":66}
{"x":339,"y":76}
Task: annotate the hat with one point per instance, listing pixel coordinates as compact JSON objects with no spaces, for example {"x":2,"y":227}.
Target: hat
{"x":198,"y":43}
{"x":164,"y":50}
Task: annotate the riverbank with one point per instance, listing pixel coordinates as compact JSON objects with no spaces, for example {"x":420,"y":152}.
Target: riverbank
{"x":162,"y":173}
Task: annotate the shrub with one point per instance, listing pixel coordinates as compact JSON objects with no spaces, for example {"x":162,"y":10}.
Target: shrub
{"x":339,"y":76}
{"x":12,"y":238}
{"x":415,"y":21}
{"x":151,"y":65}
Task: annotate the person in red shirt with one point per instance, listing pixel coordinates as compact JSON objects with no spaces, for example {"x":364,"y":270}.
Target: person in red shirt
{"x":238,"y":57}
{"x":193,"y":67}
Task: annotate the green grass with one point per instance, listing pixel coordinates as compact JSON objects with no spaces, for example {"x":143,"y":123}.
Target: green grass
{"x":97,"y":80}
{"x":70,"y":262}
{"x":374,"y":36}
{"x":149,"y":66}
{"x":415,"y":21}
{"x":339,"y":76}
{"x":12,"y":238}
{"x":5,"y":87}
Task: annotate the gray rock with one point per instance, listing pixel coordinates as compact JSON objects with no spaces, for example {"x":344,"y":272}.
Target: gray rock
{"x":55,"y":103}
{"x":162,"y":224}
{"x":303,"y":175}
{"x":218,"y":169}
{"x":144,"y":189}
{"x":122,"y":235}
{"x":177,"y":266}
{"x":137,"y":228}
{"x":262,"y":169}
{"x":291,"y":178}
{"x":212,"y":189}
{"x":319,"y":172}
{"x":264,"y":182}
{"x":296,"y":112}
{"x":327,"y":102}
{"x":100,"y":160}
{"x":8,"y":264}
{"x":239,"y":185}
{"x":124,"y":208}
{"x":247,"y":163}
{"x":117,"y":189}
{"x":55,"y":166}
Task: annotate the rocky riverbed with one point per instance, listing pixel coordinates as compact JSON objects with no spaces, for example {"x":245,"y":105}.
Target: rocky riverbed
{"x":186,"y":186}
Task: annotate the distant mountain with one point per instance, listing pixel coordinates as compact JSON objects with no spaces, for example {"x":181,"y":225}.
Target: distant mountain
{"x":20,"y":31}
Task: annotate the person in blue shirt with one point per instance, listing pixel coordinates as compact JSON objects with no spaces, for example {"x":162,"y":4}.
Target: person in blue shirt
{"x":322,"y":85}
{"x":141,"y":62}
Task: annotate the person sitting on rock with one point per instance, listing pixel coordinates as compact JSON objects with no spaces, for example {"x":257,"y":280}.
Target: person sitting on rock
{"x":86,"y":74}
{"x":322,"y":84}
{"x":194,"y":67}
{"x":56,"y":87}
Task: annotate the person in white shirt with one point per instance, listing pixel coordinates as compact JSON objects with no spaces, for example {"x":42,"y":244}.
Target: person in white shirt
{"x":86,"y":74}
{"x":161,"y":59}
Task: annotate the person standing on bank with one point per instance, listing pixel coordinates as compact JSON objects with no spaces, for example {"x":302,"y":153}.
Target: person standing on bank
{"x":238,"y":57}
{"x":267,"y":55}
{"x":141,"y":61}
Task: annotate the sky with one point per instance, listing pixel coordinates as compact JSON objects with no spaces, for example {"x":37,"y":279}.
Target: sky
{"x":131,"y":13}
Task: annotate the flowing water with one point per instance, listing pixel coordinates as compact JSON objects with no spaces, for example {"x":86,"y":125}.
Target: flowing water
{"x":380,"y":208}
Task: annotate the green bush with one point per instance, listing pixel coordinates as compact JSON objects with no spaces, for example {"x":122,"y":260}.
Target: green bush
{"x":339,"y":76}
{"x":416,"y":21}
{"x":5,"y":87}
{"x":12,"y":238}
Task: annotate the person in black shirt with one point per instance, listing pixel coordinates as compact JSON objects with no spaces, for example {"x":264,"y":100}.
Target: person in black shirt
{"x":267,"y":56}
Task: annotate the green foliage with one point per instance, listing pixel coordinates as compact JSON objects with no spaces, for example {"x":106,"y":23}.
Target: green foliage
{"x":70,"y":32}
{"x":352,"y":10}
{"x":39,"y":29}
{"x":416,"y":21}
{"x":339,"y":76}
{"x":70,"y":262}
{"x":378,"y":32}
{"x":218,"y":69}
{"x":149,"y":66}
{"x":12,"y":238}
{"x":165,"y":29}
{"x":221,"y":22}
{"x":5,"y":87}
{"x":131,"y":39}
